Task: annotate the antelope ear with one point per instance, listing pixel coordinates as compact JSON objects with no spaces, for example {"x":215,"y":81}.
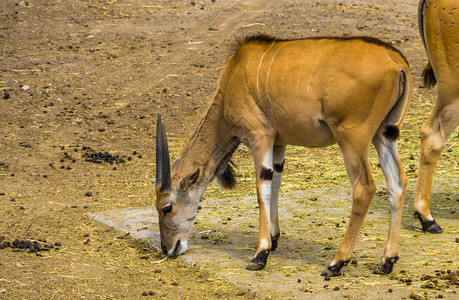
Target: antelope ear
{"x":188,"y":181}
{"x":163,"y":169}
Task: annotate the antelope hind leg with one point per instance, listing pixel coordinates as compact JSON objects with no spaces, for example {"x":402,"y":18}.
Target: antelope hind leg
{"x":431,"y":146}
{"x":396,"y":181}
{"x":363,"y":190}
{"x":434,"y":133}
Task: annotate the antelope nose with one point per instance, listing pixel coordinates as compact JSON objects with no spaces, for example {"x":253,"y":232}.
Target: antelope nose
{"x":176,"y":248}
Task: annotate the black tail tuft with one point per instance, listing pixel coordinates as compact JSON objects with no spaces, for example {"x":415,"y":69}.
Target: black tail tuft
{"x":428,"y":76}
{"x":227,"y":178}
{"x":391,"y":132}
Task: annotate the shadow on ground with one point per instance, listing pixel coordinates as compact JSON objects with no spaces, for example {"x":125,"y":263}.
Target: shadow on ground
{"x":313,"y":223}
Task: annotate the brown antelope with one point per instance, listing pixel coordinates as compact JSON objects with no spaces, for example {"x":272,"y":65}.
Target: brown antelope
{"x":311,"y":92}
{"x":440,"y":33}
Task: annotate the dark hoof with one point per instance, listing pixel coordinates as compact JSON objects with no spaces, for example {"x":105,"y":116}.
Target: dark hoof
{"x":274,"y":240}
{"x":253,"y":266}
{"x":386,"y":267}
{"x":329,"y":273}
{"x":429,"y":226}
{"x":259,"y":262}
{"x":333,"y":271}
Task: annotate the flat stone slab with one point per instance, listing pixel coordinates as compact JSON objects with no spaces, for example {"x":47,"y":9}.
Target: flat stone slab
{"x":312,"y":225}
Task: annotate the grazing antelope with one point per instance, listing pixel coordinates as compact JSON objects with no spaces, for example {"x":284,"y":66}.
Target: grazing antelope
{"x":440,"y":33}
{"x":311,"y":92}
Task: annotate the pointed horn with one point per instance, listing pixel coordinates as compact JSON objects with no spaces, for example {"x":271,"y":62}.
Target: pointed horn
{"x":163,"y":169}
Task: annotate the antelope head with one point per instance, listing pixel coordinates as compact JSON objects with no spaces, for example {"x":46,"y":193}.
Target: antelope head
{"x":176,"y":200}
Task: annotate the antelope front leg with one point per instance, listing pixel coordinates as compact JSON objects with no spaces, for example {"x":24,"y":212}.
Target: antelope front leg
{"x":265,"y":174}
{"x":278,"y":164}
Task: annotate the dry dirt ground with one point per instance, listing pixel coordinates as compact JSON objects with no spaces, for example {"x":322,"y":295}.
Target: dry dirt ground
{"x":81,"y":83}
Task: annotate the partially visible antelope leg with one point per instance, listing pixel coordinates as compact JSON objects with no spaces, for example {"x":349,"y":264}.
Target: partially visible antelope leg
{"x":278,"y":167}
{"x":263,"y":155}
{"x":397,"y":182}
{"x":434,"y":134}
{"x":363,"y":189}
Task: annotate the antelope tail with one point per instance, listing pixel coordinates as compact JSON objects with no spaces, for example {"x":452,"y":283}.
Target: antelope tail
{"x":396,"y":115}
{"x":428,"y":75}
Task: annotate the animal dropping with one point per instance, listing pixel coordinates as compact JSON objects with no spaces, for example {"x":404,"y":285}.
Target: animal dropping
{"x":311,"y":92}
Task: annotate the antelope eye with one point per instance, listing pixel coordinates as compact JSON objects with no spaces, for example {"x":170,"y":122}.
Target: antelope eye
{"x":167,"y":208}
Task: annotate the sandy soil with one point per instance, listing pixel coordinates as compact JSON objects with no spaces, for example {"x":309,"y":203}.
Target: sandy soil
{"x":81,"y":83}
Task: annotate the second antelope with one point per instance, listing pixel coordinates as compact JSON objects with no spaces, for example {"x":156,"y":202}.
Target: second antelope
{"x":311,"y":92}
{"x":440,"y":33}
